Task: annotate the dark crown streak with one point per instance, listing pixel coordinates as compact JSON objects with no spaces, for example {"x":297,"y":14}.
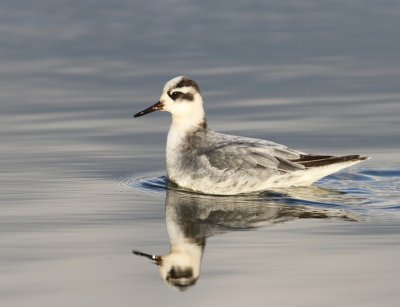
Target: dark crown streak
{"x":189,"y":83}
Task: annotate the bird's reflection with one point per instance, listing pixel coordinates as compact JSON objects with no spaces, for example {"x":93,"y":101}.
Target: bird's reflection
{"x":192,"y":218}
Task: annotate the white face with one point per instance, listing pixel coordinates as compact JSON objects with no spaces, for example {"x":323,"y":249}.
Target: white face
{"x":180,"y":269}
{"x":181,"y":97}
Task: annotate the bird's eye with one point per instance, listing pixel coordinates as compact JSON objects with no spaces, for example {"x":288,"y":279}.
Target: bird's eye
{"x":176,"y":95}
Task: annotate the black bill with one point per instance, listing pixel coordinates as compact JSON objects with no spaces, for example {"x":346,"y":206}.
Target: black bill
{"x":155,"y":107}
{"x":154,"y":258}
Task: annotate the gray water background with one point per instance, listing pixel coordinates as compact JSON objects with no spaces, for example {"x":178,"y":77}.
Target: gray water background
{"x":79,"y":178}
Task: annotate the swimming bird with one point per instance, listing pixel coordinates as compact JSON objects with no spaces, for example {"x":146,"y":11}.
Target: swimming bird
{"x":205,"y":161}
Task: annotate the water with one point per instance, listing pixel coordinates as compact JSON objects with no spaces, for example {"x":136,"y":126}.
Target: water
{"x":81,"y":182}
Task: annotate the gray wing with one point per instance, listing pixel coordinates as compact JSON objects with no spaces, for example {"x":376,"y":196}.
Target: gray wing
{"x":253,"y":155}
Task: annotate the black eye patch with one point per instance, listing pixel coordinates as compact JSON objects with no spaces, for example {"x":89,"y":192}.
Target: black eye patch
{"x":177,"y":272}
{"x":175,"y":95}
{"x":180,"y":95}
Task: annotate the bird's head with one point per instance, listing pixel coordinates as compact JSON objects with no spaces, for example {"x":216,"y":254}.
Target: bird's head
{"x":182,"y":98}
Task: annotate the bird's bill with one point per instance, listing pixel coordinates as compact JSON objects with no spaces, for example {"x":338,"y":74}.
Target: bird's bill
{"x":155,"y":107}
{"x":154,"y":258}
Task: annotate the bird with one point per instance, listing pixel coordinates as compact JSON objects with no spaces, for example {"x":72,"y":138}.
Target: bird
{"x":202,"y":160}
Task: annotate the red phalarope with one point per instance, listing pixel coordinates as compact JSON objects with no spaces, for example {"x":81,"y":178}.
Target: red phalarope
{"x":205,"y":161}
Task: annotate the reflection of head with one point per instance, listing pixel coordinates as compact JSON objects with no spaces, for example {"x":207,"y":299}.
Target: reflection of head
{"x":181,"y":267}
{"x":179,"y":275}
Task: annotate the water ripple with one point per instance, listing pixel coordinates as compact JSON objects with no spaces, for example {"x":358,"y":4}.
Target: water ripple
{"x":153,"y":183}
{"x":365,"y":191}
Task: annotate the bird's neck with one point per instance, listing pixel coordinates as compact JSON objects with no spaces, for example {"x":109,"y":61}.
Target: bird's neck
{"x":179,"y":133}
{"x":185,"y":123}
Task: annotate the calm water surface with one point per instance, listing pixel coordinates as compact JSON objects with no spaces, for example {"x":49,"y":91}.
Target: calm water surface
{"x":82,"y":183}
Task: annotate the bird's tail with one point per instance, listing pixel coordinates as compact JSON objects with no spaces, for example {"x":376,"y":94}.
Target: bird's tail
{"x":318,"y":167}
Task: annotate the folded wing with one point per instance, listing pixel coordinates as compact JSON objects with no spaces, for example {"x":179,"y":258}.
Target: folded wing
{"x":253,"y":158}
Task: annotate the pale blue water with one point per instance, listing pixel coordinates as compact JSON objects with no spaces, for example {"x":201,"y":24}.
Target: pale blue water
{"x":81,"y":181}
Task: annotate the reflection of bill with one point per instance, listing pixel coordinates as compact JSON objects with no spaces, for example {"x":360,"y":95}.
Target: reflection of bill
{"x":191,"y":218}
